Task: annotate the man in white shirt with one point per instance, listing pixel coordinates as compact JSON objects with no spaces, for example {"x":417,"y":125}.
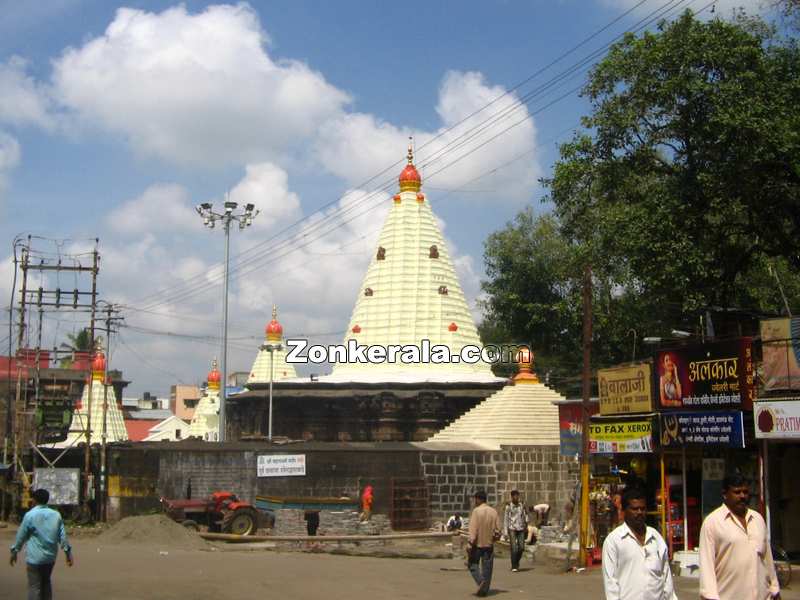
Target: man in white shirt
{"x":635,"y":557}
{"x":735,"y":557}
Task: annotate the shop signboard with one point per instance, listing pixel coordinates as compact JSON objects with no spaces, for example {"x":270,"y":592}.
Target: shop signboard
{"x":625,"y":390}
{"x":706,"y":377}
{"x":777,"y":420}
{"x":611,"y":437}
{"x":570,"y":425}
{"x":708,"y":428}
{"x":780,"y":339}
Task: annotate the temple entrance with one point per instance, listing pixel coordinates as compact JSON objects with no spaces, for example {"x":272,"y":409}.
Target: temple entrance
{"x":411,"y":506}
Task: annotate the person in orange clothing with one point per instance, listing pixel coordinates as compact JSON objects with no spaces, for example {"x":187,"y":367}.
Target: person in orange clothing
{"x":366,"y":503}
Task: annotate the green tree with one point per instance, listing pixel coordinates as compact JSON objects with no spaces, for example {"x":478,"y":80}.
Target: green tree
{"x":80,"y":342}
{"x":681,"y":193}
{"x":688,"y":176}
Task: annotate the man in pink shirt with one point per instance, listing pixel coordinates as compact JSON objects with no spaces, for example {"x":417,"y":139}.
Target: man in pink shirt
{"x":735,"y":557}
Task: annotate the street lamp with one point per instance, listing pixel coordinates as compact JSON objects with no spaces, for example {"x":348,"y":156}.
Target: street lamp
{"x":245,"y":219}
{"x":271,"y":348}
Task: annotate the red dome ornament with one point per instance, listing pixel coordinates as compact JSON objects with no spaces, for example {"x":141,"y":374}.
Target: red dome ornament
{"x":409,"y":179}
{"x":356,"y":329}
{"x":452,"y":327}
{"x":99,"y":363}
{"x":274,"y":329}
{"x":214,"y":376}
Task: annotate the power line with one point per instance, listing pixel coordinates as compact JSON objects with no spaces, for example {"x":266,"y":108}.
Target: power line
{"x":188,"y":283}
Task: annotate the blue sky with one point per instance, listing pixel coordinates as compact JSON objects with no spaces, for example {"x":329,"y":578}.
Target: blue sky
{"x":115,"y":120}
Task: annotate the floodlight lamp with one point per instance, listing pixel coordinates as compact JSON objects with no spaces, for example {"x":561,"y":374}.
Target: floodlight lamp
{"x":211,"y":224}
{"x":680,"y":334}
{"x":249,"y":207}
{"x":230,"y":206}
{"x":651,"y":340}
{"x":206,"y":205}
{"x":206,"y":221}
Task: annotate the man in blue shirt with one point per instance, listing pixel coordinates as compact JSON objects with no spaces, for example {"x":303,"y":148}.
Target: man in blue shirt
{"x":43,"y":530}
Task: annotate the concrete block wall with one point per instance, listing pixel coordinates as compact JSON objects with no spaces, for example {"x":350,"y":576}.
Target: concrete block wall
{"x":538,"y":472}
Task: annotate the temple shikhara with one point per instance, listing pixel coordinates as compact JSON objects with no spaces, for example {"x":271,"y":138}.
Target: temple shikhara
{"x":205,"y":420}
{"x":410,"y":293}
{"x":96,"y":393}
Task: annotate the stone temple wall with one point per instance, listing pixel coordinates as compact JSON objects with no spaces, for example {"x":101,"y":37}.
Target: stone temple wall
{"x":291,"y":521}
{"x":538,"y":472}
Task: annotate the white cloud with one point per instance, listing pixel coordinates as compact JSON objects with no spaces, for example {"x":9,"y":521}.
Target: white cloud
{"x":357,"y":146}
{"x":267,"y":187}
{"x":9,"y":158}
{"x":194,"y":88}
{"x":161,"y":207}
{"x":23,"y":101}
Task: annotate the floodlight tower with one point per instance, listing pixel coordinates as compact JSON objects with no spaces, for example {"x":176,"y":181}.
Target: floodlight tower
{"x":244,"y":219}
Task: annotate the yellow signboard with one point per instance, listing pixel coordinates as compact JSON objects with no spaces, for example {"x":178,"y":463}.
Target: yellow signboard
{"x":628,"y":436}
{"x":625,"y":390}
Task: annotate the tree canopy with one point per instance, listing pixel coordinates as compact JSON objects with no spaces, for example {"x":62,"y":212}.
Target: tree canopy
{"x":682,"y":191}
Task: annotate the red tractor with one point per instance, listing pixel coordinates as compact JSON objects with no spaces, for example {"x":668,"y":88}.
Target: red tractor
{"x":221,"y":511}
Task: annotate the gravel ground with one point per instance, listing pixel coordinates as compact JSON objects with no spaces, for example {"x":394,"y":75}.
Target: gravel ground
{"x":160,"y":572}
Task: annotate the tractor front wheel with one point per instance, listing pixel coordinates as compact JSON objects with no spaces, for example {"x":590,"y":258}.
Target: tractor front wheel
{"x":241,"y":521}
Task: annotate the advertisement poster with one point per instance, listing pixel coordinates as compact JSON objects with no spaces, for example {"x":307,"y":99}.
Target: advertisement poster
{"x":625,"y":390}
{"x":780,"y":339}
{"x":718,"y":428}
{"x":621,"y":436}
{"x":570,"y":425}
{"x":706,"y":377}
{"x":779,"y":420}
{"x":281,"y":465}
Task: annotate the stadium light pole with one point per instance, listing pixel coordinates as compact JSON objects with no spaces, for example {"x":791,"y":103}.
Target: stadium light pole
{"x":244,"y":219}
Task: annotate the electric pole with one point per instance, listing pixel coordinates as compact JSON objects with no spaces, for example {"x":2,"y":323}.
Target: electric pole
{"x":587,"y":393}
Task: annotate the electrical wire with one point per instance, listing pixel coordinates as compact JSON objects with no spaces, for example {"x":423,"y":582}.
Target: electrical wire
{"x":670,"y":5}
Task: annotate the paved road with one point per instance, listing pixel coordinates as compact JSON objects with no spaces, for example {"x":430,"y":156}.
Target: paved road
{"x":143,"y":572}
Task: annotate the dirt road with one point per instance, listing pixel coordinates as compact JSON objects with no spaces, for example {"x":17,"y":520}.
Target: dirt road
{"x":140,"y":572}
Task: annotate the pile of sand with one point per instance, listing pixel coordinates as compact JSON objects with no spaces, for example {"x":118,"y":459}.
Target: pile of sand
{"x":153,"y":530}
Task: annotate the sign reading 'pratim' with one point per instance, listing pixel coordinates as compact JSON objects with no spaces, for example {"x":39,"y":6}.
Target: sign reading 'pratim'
{"x":621,"y":436}
{"x":625,"y":390}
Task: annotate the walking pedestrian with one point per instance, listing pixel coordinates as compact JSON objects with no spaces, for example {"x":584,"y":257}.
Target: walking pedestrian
{"x":735,"y":556}
{"x":43,"y":530}
{"x":515,"y":524}
{"x":635,"y":557}
{"x":484,"y":531}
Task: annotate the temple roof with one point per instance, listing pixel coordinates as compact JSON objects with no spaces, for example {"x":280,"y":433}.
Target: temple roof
{"x":271,"y":357}
{"x":410,"y":293}
{"x":521,"y":414}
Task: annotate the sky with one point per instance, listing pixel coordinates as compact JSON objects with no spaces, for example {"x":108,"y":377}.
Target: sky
{"x":116,"y":120}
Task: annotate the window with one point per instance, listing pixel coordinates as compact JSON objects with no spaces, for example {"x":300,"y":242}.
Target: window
{"x":443,"y":290}
{"x":433,"y":252}
{"x":368,"y":292}
{"x":177,"y":434}
{"x":381,"y":253}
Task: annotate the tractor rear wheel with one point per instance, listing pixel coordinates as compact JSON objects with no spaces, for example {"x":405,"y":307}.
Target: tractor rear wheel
{"x":242,"y":521}
{"x":189,"y":524}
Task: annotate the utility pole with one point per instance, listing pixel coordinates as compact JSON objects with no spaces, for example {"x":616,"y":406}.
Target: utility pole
{"x":110,"y":320}
{"x":245,"y":219}
{"x":87,"y":458}
{"x":25,"y":433}
{"x":587,"y":392}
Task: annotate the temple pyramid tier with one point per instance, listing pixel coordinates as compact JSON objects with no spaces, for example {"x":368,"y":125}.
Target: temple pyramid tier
{"x":411,"y":293}
{"x":520,"y":414}
{"x":205,"y":420}
{"x":101,"y":392}
{"x":271,"y":358}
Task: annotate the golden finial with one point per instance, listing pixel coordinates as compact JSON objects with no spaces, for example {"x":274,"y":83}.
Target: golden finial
{"x":214,"y":364}
{"x":274,"y":311}
{"x":410,"y":150}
